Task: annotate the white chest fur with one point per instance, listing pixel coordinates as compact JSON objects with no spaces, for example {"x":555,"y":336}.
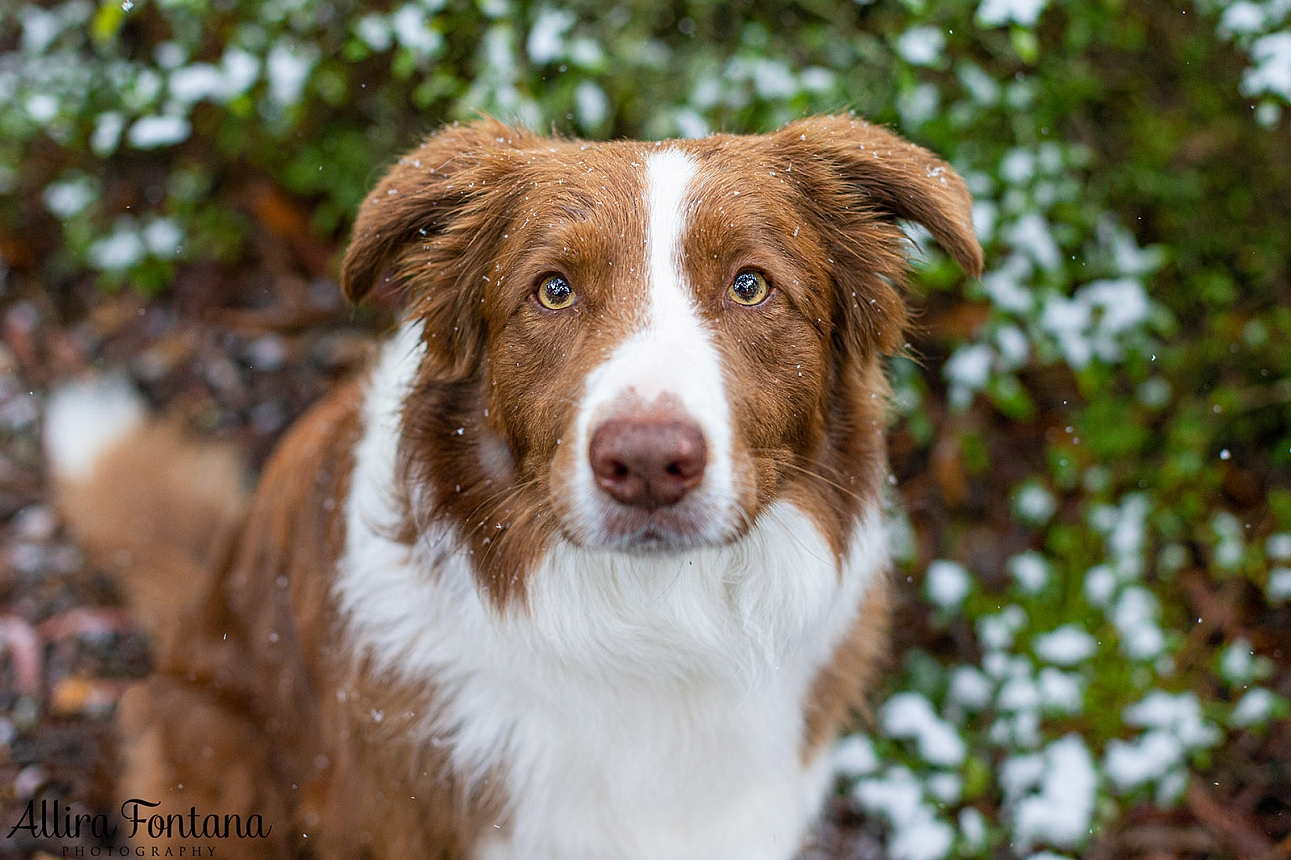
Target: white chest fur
{"x":639,"y":706}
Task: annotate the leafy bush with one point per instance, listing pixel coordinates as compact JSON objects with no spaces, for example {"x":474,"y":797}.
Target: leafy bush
{"x":1131,"y":169}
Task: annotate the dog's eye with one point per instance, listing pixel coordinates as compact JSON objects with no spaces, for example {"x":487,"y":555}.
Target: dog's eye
{"x":555,"y":293}
{"x":749,"y":288}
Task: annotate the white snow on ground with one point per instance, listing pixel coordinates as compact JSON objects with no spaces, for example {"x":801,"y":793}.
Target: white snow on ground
{"x":1121,"y":304}
{"x":1017,"y":167}
{"x":1018,"y":693}
{"x":1014,"y":350}
{"x":1175,"y":726}
{"x":815,"y":79}
{"x":1135,"y":616}
{"x":1230,"y":546}
{"x":917,"y":833}
{"x":972,"y":827}
{"x":855,"y":756}
{"x":1029,"y":571}
{"x":41,"y":107}
{"x":996,"y":632}
{"x":1019,"y":774}
{"x":1147,"y":759}
{"x":945,"y":787}
{"x":1007,"y":285}
{"x":1278,"y":588}
{"x":414,"y":33}
{"x":193,"y":83}
{"x":1065,"y":646}
{"x":909,"y":715}
{"x":1179,"y":713}
{"x":1061,"y":692}
{"x":995,"y":13}
{"x":1067,"y":320}
{"x":1254,"y":708}
{"x":163,"y":237}
{"x":107,"y":133}
{"x":288,"y":66}
{"x":547,"y":36}
{"x":117,"y":251}
{"x":1242,"y":19}
{"x":1061,"y":810}
{"x":150,"y":132}
{"x":1031,"y":234}
{"x":947,"y":583}
{"x":968,"y":370}
{"x":69,"y":197}
{"x":921,"y":46}
{"x":773,"y":79}
{"x":1278,"y":546}
{"x":1271,"y":72}
{"x":374,"y":31}
{"x":690,"y":123}
{"x":1126,"y":534}
{"x":969,"y":688}
{"x":1238,"y":663}
{"x":591,"y":103}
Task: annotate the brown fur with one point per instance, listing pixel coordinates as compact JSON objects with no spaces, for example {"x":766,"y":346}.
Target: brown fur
{"x":259,"y":704}
{"x":233,"y":722}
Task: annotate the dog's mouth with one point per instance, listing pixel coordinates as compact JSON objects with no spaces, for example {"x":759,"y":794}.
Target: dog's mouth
{"x":662,"y":530}
{"x":692,"y":523}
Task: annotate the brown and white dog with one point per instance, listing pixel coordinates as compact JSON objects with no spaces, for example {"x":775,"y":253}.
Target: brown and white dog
{"x":590,"y":564}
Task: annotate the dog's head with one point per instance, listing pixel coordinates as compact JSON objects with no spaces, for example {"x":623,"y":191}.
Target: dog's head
{"x":640,"y":346}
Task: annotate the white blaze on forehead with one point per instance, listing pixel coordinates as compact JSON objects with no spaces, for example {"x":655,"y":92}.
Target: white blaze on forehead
{"x":668,"y":176}
{"x":672,"y":353}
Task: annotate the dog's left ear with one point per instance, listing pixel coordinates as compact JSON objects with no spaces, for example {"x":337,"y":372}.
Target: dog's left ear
{"x":892,"y":174}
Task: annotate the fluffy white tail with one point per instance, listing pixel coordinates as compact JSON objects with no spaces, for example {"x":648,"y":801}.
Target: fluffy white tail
{"x":142,"y":499}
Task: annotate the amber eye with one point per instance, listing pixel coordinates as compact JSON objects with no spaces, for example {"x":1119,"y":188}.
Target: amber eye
{"x":555,"y":293}
{"x":749,"y":288}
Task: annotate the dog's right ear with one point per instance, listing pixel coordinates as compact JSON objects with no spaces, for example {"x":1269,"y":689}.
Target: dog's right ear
{"x":422,"y":195}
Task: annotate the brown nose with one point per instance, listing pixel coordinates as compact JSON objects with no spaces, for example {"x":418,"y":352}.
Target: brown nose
{"x":648,"y":464}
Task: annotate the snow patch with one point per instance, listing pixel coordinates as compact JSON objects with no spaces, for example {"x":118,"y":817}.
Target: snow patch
{"x":287,"y":67}
{"x":591,"y":104}
{"x":1030,"y":571}
{"x":1253,"y":709}
{"x":1271,"y":72}
{"x":947,"y":583}
{"x":898,"y":797}
{"x":921,"y":46}
{"x":1065,"y":646}
{"x":546,"y":41}
{"x":1278,"y":588}
{"x":855,"y":756}
{"x":909,"y":715}
{"x":1061,"y":811}
{"x":996,"y":13}
{"x":151,"y":132}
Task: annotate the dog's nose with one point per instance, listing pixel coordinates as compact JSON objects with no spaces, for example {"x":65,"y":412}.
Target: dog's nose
{"x":648,"y":463}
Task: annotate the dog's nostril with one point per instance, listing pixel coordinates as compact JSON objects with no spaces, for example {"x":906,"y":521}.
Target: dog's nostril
{"x":648,"y":463}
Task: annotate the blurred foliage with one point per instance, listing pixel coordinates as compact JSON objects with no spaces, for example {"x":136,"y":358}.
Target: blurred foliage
{"x":1132,"y":169}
